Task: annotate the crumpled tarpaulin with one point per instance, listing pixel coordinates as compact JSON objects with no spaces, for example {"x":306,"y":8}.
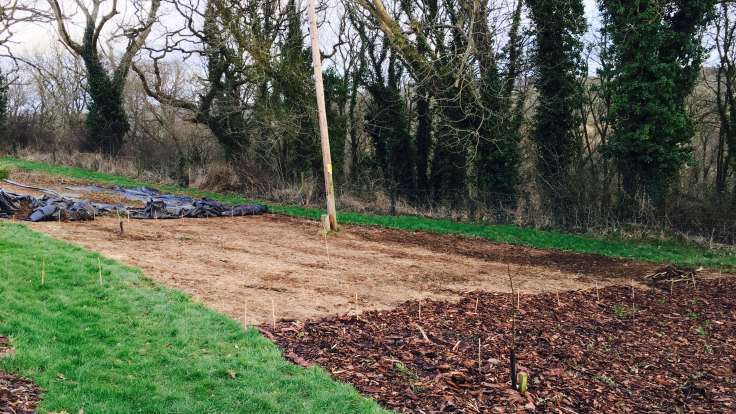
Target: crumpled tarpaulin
{"x":158,"y":206}
{"x":172,"y":206}
{"x":50,"y":208}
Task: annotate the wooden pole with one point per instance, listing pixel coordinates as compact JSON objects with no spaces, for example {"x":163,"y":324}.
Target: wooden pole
{"x":321,"y":107}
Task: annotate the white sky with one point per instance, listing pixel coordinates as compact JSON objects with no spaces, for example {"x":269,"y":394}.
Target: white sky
{"x":34,"y":37}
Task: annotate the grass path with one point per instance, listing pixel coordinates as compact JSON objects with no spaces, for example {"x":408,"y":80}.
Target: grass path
{"x":127,"y":345}
{"x":656,"y":251}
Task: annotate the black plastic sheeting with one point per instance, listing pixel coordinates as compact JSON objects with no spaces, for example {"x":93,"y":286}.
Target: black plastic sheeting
{"x":50,"y":208}
{"x":158,"y":206}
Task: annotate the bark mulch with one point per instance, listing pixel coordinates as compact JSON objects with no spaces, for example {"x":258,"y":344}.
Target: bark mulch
{"x":17,"y":396}
{"x":658,"y":351}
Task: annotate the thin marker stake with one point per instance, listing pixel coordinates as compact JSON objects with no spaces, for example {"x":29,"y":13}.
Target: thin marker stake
{"x":245,"y":315}
{"x":327,"y":249}
{"x":632,"y":289}
{"x":273,"y":315}
{"x":480,"y":361}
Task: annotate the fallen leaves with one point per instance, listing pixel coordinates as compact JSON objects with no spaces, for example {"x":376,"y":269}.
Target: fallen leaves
{"x":18,"y":396}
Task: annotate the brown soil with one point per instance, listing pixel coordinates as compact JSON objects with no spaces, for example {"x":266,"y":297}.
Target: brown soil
{"x":586,"y":264}
{"x":106,"y":198}
{"x":42,"y":180}
{"x":653,"y":352}
{"x":17,"y":396}
{"x":241,"y":265}
{"x":236,"y":263}
{"x":62,"y":186}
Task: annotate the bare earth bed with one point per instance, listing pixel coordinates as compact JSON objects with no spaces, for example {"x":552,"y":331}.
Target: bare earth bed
{"x":253,"y":267}
{"x":654,"y":353}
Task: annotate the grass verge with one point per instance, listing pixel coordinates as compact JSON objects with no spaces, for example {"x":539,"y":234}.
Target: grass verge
{"x":128,"y":346}
{"x":656,"y":251}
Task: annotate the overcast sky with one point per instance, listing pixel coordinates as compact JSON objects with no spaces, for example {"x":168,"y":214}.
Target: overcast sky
{"x":39,"y":37}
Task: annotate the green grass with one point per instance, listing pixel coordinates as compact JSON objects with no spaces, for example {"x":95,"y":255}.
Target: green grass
{"x":655,"y":250}
{"x":4,"y":172}
{"x":130,"y":346}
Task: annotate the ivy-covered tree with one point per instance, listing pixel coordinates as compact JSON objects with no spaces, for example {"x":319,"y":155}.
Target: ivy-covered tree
{"x":657,"y":54}
{"x":499,"y":118}
{"x":221,"y":107}
{"x":558,"y":26}
{"x":387,"y":123}
{"x":293,"y":88}
{"x":107,"y":122}
{"x":337,"y":97}
{"x":3,"y":105}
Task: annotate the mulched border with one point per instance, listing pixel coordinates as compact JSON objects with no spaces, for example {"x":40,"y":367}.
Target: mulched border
{"x":17,"y":395}
{"x":622,"y":350}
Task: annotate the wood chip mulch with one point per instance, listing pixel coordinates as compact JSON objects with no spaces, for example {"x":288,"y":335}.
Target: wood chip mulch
{"x":655,"y":351}
{"x":17,"y":396}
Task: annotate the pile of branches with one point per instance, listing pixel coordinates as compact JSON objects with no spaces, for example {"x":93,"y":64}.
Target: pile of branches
{"x":668,"y":275}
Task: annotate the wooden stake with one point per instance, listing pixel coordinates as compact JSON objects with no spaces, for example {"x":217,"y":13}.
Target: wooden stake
{"x":245,"y":315}
{"x":356,"y":303}
{"x":273,"y":315}
{"x":597,"y":293}
{"x":632,"y":289}
{"x":477,"y":299}
{"x":327,"y":249}
{"x":480,"y":360}
{"x":43,"y":271}
{"x":321,"y":107}
{"x":513,"y":332}
{"x":99,"y":268}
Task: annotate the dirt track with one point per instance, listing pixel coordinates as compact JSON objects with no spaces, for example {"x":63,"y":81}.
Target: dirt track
{"x":236,"y":263}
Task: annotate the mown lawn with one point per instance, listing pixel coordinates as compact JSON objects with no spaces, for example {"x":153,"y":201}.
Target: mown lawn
{"x":656,"y":251}
{"x":126,"y":345}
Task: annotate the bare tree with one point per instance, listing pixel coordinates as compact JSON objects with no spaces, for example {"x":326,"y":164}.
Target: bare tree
{"x":107,"y":122}
{"x":13,"y":14}
{"x":452,"y":49}
{"x":722,"y":83}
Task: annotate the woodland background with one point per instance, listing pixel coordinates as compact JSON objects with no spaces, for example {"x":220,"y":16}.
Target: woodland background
{"x":502,"y":111}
